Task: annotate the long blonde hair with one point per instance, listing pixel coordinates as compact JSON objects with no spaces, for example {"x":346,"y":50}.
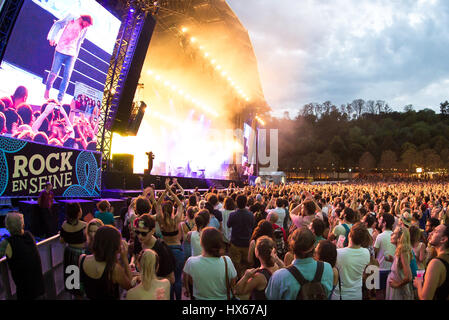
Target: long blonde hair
{"x":148,"y":260}
{"x":404,"y":245}
{"x":93,"y":222}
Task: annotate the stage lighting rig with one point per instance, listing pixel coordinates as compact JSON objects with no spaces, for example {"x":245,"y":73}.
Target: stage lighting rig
{"x":156,"y":7}
{"x":146,"y":6}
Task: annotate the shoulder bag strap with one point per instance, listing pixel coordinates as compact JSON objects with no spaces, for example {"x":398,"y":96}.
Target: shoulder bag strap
{"x":228,"y":289}
{"x":339,"y":283}
{"x":83,"y":256}
{"x":446,"y":264}
{"x":297,"y":274}
{"x":319,"y":271}
{"x":265,"y":272}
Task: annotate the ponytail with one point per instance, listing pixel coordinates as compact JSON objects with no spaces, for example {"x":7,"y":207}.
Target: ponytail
{"x":149,"y":262}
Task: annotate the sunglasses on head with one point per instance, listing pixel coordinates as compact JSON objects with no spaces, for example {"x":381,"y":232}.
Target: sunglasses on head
{"x":143,"y":234}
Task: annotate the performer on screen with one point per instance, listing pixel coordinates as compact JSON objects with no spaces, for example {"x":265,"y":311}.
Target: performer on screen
{"x":67,"y":35}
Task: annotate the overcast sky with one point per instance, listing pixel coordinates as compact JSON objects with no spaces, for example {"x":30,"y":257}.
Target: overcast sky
{"x":341,"y":50}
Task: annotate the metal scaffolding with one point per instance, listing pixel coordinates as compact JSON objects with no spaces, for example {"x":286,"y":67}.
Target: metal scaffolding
{"x":9,"y":12}
{"x":171,"y":15}
{"x":122,"y":55}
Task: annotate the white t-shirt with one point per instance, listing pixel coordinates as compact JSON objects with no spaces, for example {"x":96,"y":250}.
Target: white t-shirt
{"x":351,"y":263}
{"x":281,"y":216}
{"x":325,"y":210}
{"x":209,"y":278}
{"x":339,"y":230}
{"x":195,"y":237}
{"x":226,"y":231}
{"x":383,"y":243}
{"x":68,"y":42}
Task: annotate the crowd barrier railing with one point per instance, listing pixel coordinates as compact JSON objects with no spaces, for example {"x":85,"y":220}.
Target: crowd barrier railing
{"x":51,"y":251}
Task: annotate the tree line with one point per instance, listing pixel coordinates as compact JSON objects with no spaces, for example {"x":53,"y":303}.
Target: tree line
{"x":363,"y":136}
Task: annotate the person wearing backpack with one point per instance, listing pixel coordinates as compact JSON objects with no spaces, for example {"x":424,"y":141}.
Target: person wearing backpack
{"x":351,"y":263}
{"x":306,"y":278}
{"x":280,"y":211}
{"x":279,"y":236}
{"x":343,"y":229}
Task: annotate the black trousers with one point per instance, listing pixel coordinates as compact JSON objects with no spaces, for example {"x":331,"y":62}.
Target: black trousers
{"x":42,"y":225}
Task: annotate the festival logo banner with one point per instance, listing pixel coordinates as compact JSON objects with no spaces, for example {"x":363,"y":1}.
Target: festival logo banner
{"x":25,"y":168}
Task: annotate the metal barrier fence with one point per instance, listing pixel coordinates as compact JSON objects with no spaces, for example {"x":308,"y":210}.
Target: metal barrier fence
{"x":51,"y":251}
{"x":52,"y":255}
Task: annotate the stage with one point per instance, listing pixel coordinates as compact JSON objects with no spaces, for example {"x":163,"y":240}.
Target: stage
{"x":116,"y":184}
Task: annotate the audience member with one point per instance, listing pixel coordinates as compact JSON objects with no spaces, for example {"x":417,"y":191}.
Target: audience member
{"x":264,"y":228}
{"x":435,"y":285}
{"x":399,"y":285}
{"x":326,"y":251}
{"x":105,"y":212}
{"x":169,"y":224}
{"x":91,"y":229}
{"x":212,"y":275}
{"x":201,"y":222}
{"x":351,"y":263}
{"x":150,"y":287}
{"x":242,"y":223}
{"x":23,"y":259}
{"x":144,"y":227}
{"x":73,"y":234}
{"x":255,"y":280}
{"x":283,"y":284}
{"x":101,"y":274}
{"x":383,"y":247}
{"x":186,"y":226}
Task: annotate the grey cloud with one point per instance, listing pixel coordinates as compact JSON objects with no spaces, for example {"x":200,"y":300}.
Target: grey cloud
{"x":336,"y":65}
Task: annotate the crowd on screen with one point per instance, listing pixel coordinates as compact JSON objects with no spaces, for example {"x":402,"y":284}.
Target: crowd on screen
{"x":88,"y":105}
{"x":275,"y":242}
{"x":51,"y":123}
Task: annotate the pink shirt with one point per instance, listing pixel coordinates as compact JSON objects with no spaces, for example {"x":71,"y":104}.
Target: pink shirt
{"x":68,"y":42}
{"x":302,"y":221}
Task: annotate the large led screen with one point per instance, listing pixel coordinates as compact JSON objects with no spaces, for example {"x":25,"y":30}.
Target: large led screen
{"x":53,"y":72}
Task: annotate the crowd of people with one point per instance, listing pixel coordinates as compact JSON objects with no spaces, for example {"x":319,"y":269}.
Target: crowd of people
{"x":52,"y":123}
{"x":88,"y":105}
{"x":275,"y":242}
